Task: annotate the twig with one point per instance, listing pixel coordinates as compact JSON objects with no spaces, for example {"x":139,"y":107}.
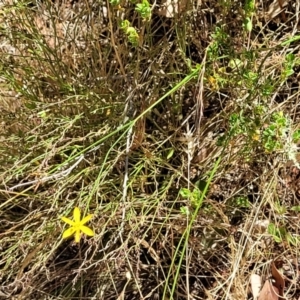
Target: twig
{"x":126,"y":177}
{"x":190,"y":151}
{"x":56,"y":176}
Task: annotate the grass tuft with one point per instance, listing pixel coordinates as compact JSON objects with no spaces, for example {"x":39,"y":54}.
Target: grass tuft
{"x":174,"y":124}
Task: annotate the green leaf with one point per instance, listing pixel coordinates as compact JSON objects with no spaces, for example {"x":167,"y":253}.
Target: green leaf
{"x":277,"y":239}
{"x":296,"y":136}
{"x":185,"y":193}
{"x":43,"y":114}
{"x":291,"y":239}
{"x":242,"y":202}
{"x":272,"y":229}
{"x":170,"y":154}
{"x":296,"y":208}
{"x":114,"y":2}
{"x":248,"y":24}
{"x":235,"y":63}
{"x":124,"y":25}
{"x":144,"y":9}
{"x":184,"y":210}
{"x":290,"y":57}
{"x":30,"y":105}
{"x":201,"y":184}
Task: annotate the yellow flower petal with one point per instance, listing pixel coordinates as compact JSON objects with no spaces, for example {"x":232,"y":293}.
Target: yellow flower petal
{"x":68,"y":221}
{"x":77,"y":236}
{"x":68,"y":232}
{"x":86,"y":219}
{"x":76,"y":215}
{"x":77,"y":225}
{"x":88,"y":231}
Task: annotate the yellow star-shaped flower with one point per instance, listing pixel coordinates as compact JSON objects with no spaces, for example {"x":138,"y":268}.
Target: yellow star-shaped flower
{"x":77,"y":226}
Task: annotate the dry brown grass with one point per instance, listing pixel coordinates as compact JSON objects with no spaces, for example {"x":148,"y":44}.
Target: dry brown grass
{"x":87,"y":121}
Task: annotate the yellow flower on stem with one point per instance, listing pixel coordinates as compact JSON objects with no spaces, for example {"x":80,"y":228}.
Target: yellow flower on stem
{"x":77,"y":225}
